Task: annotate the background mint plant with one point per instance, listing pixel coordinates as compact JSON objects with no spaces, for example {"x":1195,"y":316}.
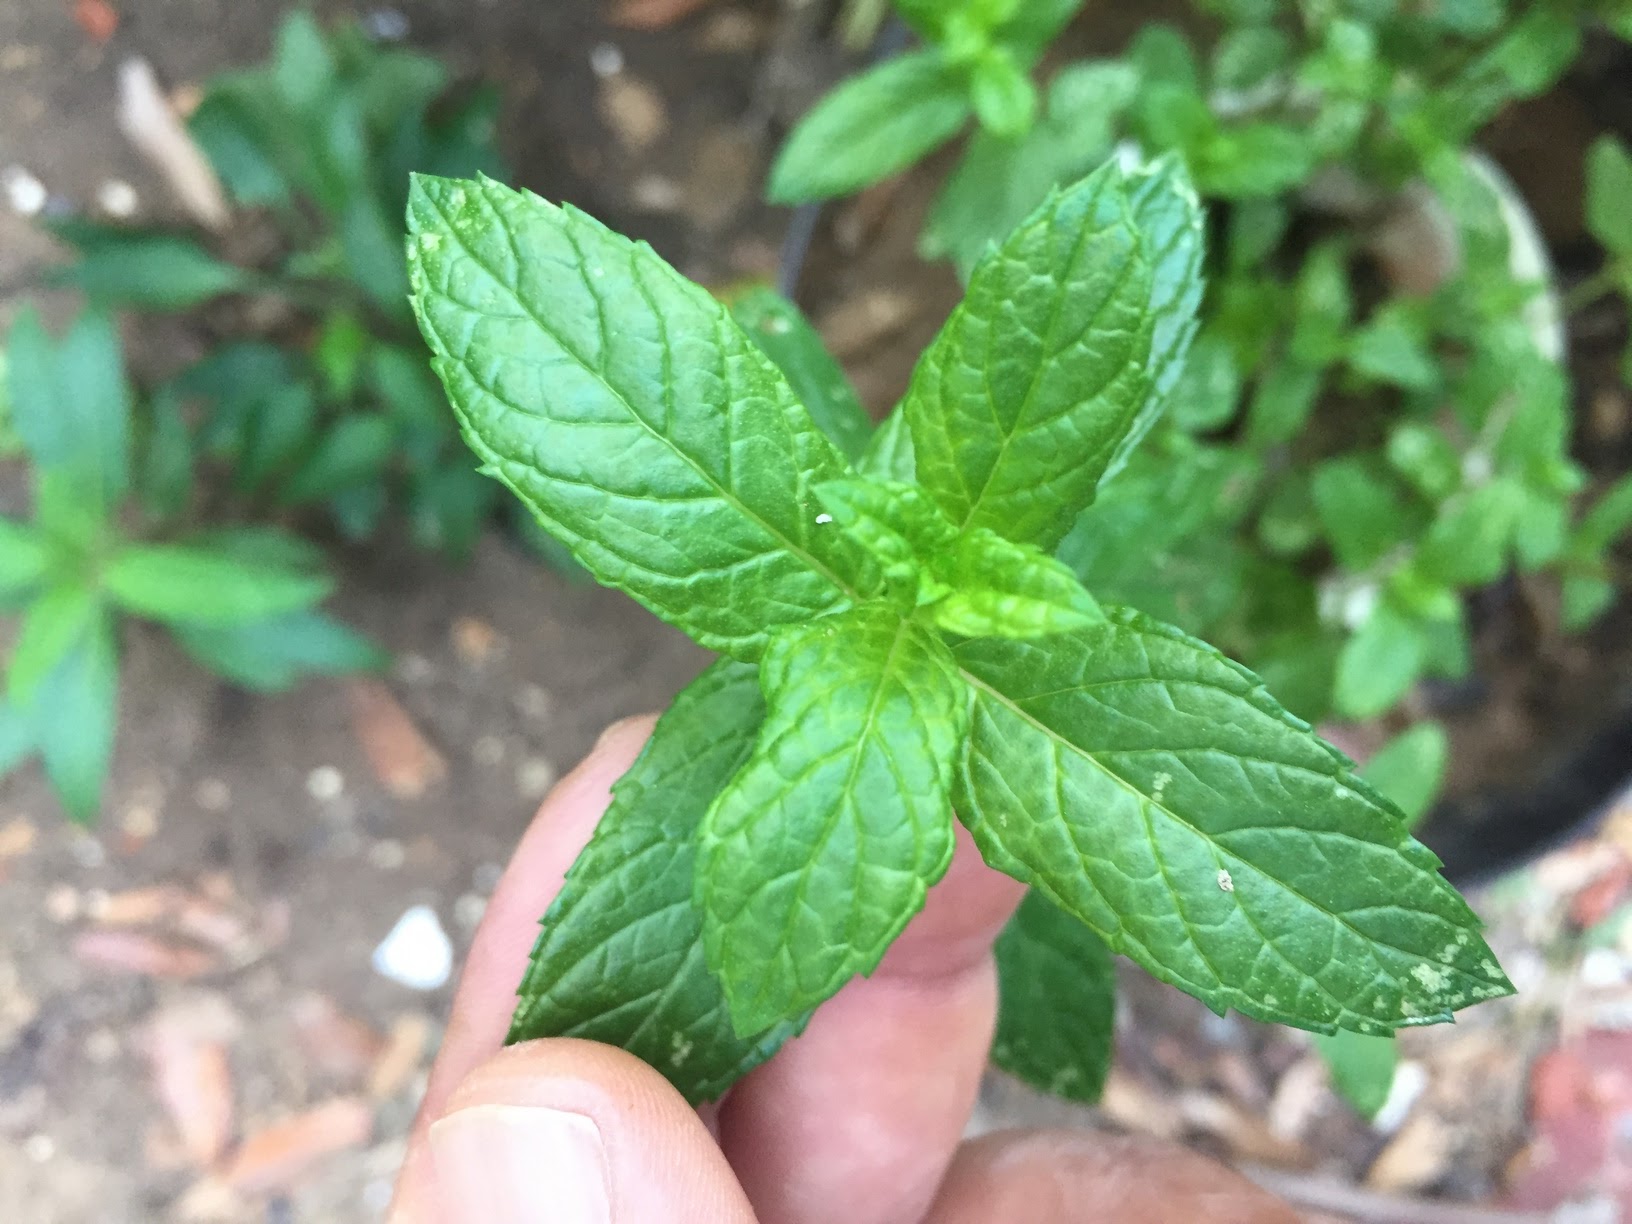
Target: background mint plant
{"x":243,"y":601}
{"x":898,"y":644}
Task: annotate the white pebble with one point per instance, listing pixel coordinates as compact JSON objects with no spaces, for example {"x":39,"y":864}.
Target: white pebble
{"x":325,"y":782}
{"x":1602,"y":968}
{"x":39,"y":1148}
{"x":417,"y":953}
{"x":118,"y":199}
{"x":468,"y":910}
{"x":605,"y":60}
{"x":388,"y":854}
{"x":25,"y":193}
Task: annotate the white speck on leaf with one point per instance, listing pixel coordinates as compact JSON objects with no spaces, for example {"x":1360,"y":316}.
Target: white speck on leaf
{"x":1430,"y":977}
{"x":682,"y":1050}
{"x":1225,"y":884}
{"x":1159,"y":786}
{"x":429,"y":240}
{"x":824,"y":518}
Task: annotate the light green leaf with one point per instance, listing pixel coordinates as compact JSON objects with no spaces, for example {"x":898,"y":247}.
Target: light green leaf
{"x":1034,"y":24}
{"x":1409,"y":770}
{"x":620,"y":958}
{"x":1362,"y":1068}
{"x":1003,"y":589}
{"x":1609,"y":519}
{"x":1471,"y":541}
{"x":302,"y":66}
{"x":1282,"y":404}
{"x":822,"y":846}
{"x":896,"y":523}
{"x":24,"y":558}
{"x":629,"y":412}
{"x":1056,"y":1013}
{"x":194,"y":585}
{"x":1392,"y":349}
{"x":1157,"y":792}
{"x":1019,"y":405}
{"x":357,"y":450}
{"x":872,"y":126}
{"x":889,"y":452}
{"x":1586,"y":597}
{"x":1379,"y":663}
{"x":1002,"y":94}
{"x":150,"y":272}
{"x":273,"y":655}
{"x":53,"y":626}
{"x":787,"y":338}
{"x":1208,"y":393}
{"x":1360,"y":511}
{"x":74,"y":714}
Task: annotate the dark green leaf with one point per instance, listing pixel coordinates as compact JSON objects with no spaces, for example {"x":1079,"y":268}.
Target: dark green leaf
{"x":74,"y":715}
{"x":871,"y":127}
{"x":1034,"y":24}
{"x":1362,"y":1068}
{"x":1056,"y":1014}
{"x":271,"y":655}
{"x":620,"y":958}
{"x":356,"y":450}
{"x":279,"y":427}
{"x":822,"y":846}
{"x":165,"y":473}
{"x":194,"y":585}
{"x":787,"y":338}
{"x":372,"y":246}
{"x":1360,"y":511}
{"x":1156,"y":791}
{"x":151,"y":272}
{"x":629,"y":412}
{"x":1609,"y":195}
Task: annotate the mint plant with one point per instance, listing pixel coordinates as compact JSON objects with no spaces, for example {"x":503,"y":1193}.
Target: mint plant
{"x":243,"y":601}
{"x":900,"y":649}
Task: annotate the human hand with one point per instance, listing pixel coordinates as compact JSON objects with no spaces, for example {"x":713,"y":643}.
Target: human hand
{"x":859,"y":1121}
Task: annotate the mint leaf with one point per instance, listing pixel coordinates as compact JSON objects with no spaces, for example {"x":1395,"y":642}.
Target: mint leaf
{"x":200,"y":586}
{"x":787,"y":338}
{"x":1022,"y":400}
{"x":1034,"y":24}
{"x":1362,"y":1068}
{"x":627,"y":411}
{"x":620,"y":957}
{"x":1168,"y":215}
{"x":1379,"y":663}
{"x":275,"y":654}
{"x":1003,"y":589}
{"x":1409,"y":770}
{"x":1156,"y":791}
{"x":822,"y":846}
{"x":1359,"y":509}
{"x":74,"y":713}
{"x":149,"y":271}
{"x":357,"y":450}
{"x":51,"y":627}
{"x":894,"y":522}
{"x":889,"y":453}
{"x":1001,"y":92}
{"x":1057,"y":1002}
{"x":872,"y":126}
{"x":24,"y":556}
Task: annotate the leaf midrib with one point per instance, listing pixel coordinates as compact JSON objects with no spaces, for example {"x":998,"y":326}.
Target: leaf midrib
{"x":725,"y":495}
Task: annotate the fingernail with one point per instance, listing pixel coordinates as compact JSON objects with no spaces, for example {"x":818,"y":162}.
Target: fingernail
{"x":517,"y":1164}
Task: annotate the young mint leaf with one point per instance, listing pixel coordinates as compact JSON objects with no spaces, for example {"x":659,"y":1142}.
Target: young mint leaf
{"x":998,"y":181}
{"x":1586,"y":597}
{"x":1056,"y":1013}
{"x":1379,"y":663}
{"x":787,"y":338}
{"x":1002,"y":94}
{"x":1282,"y":403}
{"x":1208,"y":392}
{"x":620,"y":957}
{"x":1361,"y":512}
{"x":1003,"y":589}
{"x":74,"y":713}
{"x":628,"y":411}
{"x":164,"y":473}
{"x":1392,"y":348}
{"x":870,"y":127}
{"x":1157,"y":792}
{"x":1409,"y":770}
{"x":1470,"y":542}
{"x":1609,"y":519}
{"x":1168,"y":216}
{"x":24,"y":558}
{"x":822,"y":846}
{"x":191,"y":585}
{"x":1362,"y":1068}
{"x":150,"y":271}
{"x":357,"y":450}
{"x":53,"y":625}
{"x":1033,"y":24}
{"x":895,"y":523}
{"x":273,"y":655}
{"x":1022,"y":400}
{"x":889,"y":452}
{"x":1609,"y":195}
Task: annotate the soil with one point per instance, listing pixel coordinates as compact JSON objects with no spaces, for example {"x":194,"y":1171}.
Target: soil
{"x":255,"y":851}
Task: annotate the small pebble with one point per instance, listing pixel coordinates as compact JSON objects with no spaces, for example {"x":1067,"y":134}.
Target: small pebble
{"x":656,"y":193}
{"x":534,"y":701}
{"x":87,"y":850}
{"x":415,"y":668}
{"x":118,"y":199}
{"x":325,"y":783}
{"x":1602,"y":968}
{"x":488,"y":750}
{"x":213,"y":795}
{"x":102,"y":1046}
{"x":62,"y":903}
{"x":417,"y":953}
{"x":534,"y":777}
{"x":1410,"y":1082}
{"x":468,"y":910}
{"x":605,"y":60}
{"x":387,"y":855}
{"x":386,"y":24}
{"x":39,"y":1148}
{"x":25,"y":193}
{"x":140,"y":821}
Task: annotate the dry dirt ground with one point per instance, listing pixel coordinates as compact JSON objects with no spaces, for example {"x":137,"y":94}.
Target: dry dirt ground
{"x":190,"y":1028}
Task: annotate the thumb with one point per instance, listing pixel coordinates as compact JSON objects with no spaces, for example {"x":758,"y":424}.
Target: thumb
{"x":571,"y":1132}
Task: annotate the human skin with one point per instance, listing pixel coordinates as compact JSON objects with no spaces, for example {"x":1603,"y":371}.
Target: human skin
{"x":860,"y":1120}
